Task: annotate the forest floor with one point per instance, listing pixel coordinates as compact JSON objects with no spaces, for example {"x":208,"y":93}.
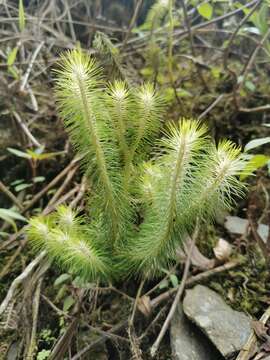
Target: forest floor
{"x":48,"y":314}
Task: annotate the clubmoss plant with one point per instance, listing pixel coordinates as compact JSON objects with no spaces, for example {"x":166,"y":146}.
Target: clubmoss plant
{"x":147,"y":193}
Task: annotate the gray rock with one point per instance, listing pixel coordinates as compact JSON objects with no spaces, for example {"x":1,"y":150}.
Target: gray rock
{"x":226,"y":328}
{"x":237,"y":225}
{"x":188,"y":342}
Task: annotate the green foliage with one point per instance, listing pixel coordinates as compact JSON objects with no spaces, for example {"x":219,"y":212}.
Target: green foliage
{"x":156,"y":15}
{"x":161,"y":13}
{"x":205,"y":10}
{"x":254,"y":163}
{"x":71,"y":242}
{"x":43,"y":354}
{"x":146,"y":194}
{"x":11,"y":57}
{"x":36,"y":154}
{"x":21,"y":16}
{"x":10,"y":215}
{"x":257,"y":161}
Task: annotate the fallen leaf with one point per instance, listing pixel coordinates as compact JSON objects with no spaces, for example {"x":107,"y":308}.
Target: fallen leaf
{"x":144,"y":305}
{"x":197,"y":258}
{"x":222,"y":250}
{"x":260,"y":330}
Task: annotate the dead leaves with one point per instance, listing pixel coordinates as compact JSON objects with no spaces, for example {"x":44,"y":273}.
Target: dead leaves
{"x":222,"y":250}
{"x":144,"y":305}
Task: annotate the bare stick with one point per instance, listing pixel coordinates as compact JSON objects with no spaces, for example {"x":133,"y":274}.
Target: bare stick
{"x":196,"y":27}
{"x":135,"y":303}
{"x":28,"y":71}
{"x":80,"y":194}
{"x":11,"y":260}
{"x":55,"y":308}
{"x":63,"y":199}
{"x":210,"y":107}
{"x":190,"y":35}
{"x":247,"y":350}
{"x":195,"y":279}
{"x":255,"y":109}
{"x":19,"y":280}
{"x":252,"y":57}
{"x":233,"y":35}
{"x":99,"y":341}
{"x":32,"y":98}
{"x":70,"y":21}
{"x":9,"y":194}
{"x":178,"y":295}
{"x":132,"y":21}
{"x":155,"y":302}
{"x":26,"y":130}
{"x":63,"y":186}
{"x":254,"y":229}
{"x":52,"y":183}
{"x":35,"y":306}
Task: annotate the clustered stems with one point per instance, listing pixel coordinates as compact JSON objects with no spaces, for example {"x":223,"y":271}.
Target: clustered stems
{"x":143,"y":203}
{"x":101,"y":163}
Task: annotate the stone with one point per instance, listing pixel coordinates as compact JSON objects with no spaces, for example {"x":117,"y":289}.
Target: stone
{"x":227,"y":329}
{"x":237,"y":225}
{"x":188,"y":342}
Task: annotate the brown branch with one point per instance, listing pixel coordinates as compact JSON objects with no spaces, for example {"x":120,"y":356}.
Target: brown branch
{"x":25,"y":129}
{"x":211,"y":106}
{"x":255,"y":109}
{"x":178,"y":295}
{"x":233,"y":35}
{"x":68,"y":178}
{"x":35,"y":309}
{"x":132,"y":22}
{"x":52,"y":183}
{"x":100,"y":341}
{"x":191,"y":42}
{"x":195,"y":279}
{"x":254,"y":226}
{"x":19,"y":280}
{"x":199,"y":26}
{"x":252,"y":57}
{"x":11,"y":260}
{"x":156,"y":301}
{"x":60,"y":348}
{"x":9,"y":194}
{"x":248,"y":348}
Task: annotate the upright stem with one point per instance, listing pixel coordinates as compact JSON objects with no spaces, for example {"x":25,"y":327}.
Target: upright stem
{"x":101,"y":162}
{"x":120,"y":131}
{"x":179,"y":168}
{"x":130,"y":156}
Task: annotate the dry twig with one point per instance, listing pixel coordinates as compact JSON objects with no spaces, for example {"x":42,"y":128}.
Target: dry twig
{"x":19,"y":280}
{"x":9,"y":194}
{"x":179,"y":293}
{"x":248,"y":349}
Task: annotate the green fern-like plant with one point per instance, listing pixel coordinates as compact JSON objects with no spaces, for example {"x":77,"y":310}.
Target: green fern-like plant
{"x":147,"y":193}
